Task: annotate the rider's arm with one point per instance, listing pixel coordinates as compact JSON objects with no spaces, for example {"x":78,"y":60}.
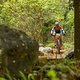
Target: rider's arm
{"x":62,"y":30}
{"x":53,"y":31}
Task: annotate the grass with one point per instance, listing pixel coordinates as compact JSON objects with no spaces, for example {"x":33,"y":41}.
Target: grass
{"x":51,"y":44}
{"x":53,"y":71}
{"x":66,"y":45}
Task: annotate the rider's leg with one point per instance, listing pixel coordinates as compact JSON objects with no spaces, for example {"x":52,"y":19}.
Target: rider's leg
{"x":61,"y":45}
{"x":54,"y":39}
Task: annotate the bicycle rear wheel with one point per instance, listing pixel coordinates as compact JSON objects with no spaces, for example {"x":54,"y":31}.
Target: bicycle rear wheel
{"x":58,"y":46}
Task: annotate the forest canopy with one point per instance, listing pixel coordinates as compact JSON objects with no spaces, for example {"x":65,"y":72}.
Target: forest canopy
{"x":36,"y":17}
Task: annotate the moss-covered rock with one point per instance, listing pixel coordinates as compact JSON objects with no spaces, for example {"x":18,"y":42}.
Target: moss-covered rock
{"x":17,"y":50}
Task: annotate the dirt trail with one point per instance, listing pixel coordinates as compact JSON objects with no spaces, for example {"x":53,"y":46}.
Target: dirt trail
{"x":63,"y":54}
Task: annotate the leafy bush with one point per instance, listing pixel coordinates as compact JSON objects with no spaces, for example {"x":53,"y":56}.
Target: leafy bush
{"x":22,"y":75}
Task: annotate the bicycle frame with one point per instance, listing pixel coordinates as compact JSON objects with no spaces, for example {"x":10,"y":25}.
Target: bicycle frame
{"x":58,"y":43}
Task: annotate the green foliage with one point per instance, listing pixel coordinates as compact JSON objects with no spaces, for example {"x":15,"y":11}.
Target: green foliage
{"x":30,"y":76}
{"x":35,"y":17}
{"x":64,"y":69}
{"x":52,"y":74}
{"x":8,"y":75}
{"x":68,"y":45}
{"x":2,"y":78}
{"x":49,"y":44}
{"x":22,"y":75}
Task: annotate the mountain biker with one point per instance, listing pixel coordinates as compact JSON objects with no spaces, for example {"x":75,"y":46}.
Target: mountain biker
{"x":57,"y":28}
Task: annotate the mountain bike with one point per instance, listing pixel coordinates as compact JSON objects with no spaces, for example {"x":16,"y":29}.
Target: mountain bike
{"x":58,"y":44}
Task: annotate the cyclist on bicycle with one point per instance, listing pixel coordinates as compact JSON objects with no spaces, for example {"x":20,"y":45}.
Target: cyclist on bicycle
{"x":57,"y":29}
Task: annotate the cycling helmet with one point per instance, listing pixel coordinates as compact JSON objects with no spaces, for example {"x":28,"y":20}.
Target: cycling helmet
{"x":56,"y":23}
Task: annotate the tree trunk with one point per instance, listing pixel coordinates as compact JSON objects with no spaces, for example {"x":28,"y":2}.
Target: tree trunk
{"x":77,"y":28}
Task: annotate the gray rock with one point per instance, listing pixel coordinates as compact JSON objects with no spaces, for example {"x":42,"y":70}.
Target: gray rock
{"x":17,"y":50}
{"x":45,"y":49}
{"x":41,"y":45}
{"x":69,"y":53}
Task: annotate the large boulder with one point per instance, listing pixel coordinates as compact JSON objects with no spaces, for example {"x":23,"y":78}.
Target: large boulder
{"x":18,"y":52}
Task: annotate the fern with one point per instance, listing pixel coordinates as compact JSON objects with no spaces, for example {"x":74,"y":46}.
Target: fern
{"x":8,"y":75}
{"x":31,"y":77}
{"x":2,"y":78}
{"x":22,"y":75}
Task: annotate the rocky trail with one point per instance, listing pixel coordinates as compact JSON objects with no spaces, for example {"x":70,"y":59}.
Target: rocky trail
{"x":53,"y":55}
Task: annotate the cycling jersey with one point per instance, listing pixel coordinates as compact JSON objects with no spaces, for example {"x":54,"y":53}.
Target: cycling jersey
{"x":57,"y":28}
